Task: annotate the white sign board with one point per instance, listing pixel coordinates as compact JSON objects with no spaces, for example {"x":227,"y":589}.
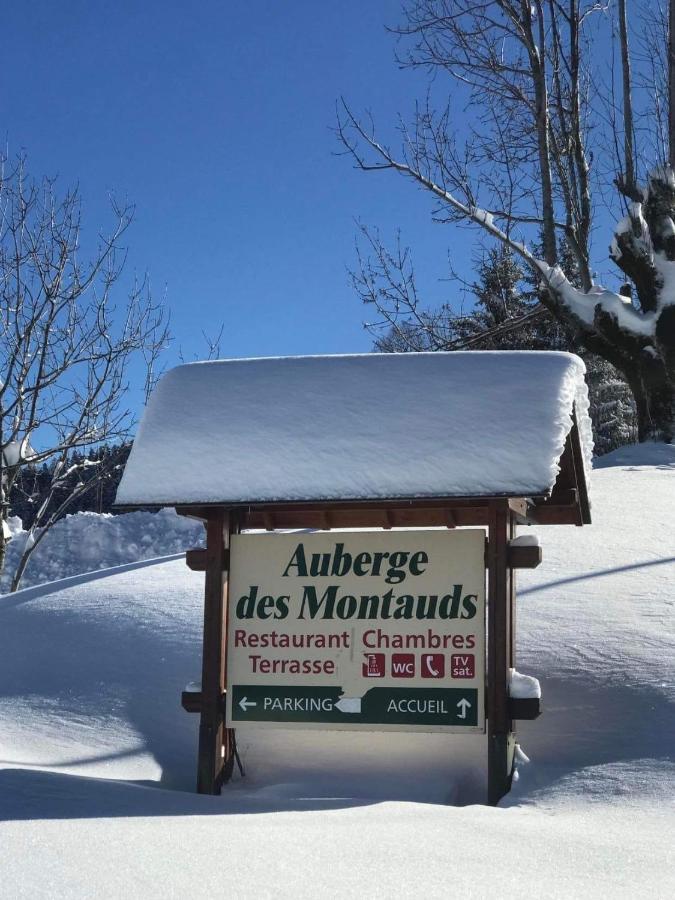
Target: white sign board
{"x":357,"y":630}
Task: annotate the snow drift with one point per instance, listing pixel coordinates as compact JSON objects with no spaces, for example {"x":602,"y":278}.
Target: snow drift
{"x":87,"y":541}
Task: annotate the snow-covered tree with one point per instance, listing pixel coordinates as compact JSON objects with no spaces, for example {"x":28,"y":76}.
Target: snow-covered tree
{"x":565,"y":121}
{"x":65,"y":349}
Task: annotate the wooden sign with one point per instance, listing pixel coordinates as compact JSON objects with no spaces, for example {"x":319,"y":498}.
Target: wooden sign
{"x":329,"y":627}
{"x":360,"y":630}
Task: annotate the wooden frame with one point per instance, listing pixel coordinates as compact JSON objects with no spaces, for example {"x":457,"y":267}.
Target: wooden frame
{"x":216,"y":745}
{"x":567,"y":504}
{"x":499,"y":516}
{"x":501,"y":650}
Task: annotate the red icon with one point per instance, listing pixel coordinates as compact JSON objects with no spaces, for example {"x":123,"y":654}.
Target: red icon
{"x":463,"y":665}
{"x":403,"y":665}
{"x":433,"y":665}
{"x":373,"y":667}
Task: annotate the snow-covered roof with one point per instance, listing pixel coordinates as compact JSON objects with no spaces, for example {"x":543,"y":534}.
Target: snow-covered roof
{"x":362,"y":427}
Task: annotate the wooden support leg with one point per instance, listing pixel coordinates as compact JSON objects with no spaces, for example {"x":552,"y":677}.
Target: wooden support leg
{"x":511,"y":650}
{"x":211,"y":725}
{"x":500,"y":653}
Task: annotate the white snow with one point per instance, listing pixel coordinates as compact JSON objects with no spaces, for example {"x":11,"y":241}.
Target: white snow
{"x":584,"y":304}
{"x":357,"y":427}
{"x":16,"y":452}
{"x":524,"y":687}
{"x":664,"y":174}
{"x":667,"y":227}
{"x":483,"y":217}
{"x":98,"y":758}
{"x":87,"y":541}
{"x":623,"y":226}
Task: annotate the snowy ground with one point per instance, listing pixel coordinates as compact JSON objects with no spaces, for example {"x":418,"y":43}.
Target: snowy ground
{"x":97,"y":758}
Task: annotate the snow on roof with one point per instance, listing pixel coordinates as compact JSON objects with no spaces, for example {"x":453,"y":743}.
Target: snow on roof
{"x":362,"y":427}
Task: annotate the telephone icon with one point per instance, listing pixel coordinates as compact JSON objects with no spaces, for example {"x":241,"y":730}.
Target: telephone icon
{"x":433,"y":665}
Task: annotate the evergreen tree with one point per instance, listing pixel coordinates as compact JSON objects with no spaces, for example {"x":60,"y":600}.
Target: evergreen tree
{"x":505,"y":296}
{"x":93,"y":479}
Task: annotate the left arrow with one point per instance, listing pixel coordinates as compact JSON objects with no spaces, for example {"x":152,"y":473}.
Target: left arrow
{"x":244,"y":703}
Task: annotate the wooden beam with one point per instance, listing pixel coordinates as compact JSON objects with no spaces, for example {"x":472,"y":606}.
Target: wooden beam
{"x":570,"y":487}
{"x":268,"y":521}
{"x":521,"y":509}
{"x":425,"y":512}
{"x":200,"y":510}
{"x":191,"y":701}
{"x":557,"y":515}
{"x":525,"y":708}
{"x":368,"y":517}
{"x":567,"y":476}
{"x":210,"y":768}
{"x":581,"y":485}
{"x":523,"y":556}
{"x":500,"y":651}
{"x":563,"y":507}
{"x":511,"y":599}
{"x":195,"y":512}
{"x":196,"y":560}
{"x":561,"y":497}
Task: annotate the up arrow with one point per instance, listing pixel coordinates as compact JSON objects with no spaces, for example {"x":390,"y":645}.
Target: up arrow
{"x":244,"y":703}
{"x":463,"y":705}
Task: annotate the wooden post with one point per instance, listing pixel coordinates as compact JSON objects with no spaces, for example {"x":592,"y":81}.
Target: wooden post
{"x":211,"y":723}
{"x":500,"y":651}
{"x":511,"y":575}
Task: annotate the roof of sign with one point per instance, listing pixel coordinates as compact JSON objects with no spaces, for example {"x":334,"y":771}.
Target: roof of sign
{"x":363,"y":427}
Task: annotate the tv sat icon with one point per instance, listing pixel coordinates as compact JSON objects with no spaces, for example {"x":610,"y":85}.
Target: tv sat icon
{"x":373,"y":667}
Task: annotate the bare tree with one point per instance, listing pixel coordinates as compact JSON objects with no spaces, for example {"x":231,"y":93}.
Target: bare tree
{"x":65,"y":346}
{"x":549,"y":144}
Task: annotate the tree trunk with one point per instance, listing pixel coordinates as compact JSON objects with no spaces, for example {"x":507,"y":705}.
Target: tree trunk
{"x":654,"y":391}
{"x":18,"y":574}
{"x":671,"y":83}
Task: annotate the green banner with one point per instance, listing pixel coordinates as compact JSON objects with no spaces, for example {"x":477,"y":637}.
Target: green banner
{"x":454,"y":707}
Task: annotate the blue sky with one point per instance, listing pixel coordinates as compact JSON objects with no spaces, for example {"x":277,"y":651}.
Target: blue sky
{"x":215,"y":119}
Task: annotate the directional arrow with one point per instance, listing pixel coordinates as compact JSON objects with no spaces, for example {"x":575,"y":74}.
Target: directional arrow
{"x":244,"y":703}
{"x":463,"y":705}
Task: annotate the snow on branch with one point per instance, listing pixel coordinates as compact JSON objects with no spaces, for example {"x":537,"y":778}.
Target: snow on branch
{"x":586,"y":305}
{"x":582,"y":306}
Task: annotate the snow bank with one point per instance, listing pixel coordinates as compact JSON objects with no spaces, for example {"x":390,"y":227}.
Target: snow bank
{"x":86,"y":541}
{"x":98,"y":758}
{"x":357,"y":427}
{"x":646,"y":455}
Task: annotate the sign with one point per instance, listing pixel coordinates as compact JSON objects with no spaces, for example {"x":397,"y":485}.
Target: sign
{"x":357,"y":630}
